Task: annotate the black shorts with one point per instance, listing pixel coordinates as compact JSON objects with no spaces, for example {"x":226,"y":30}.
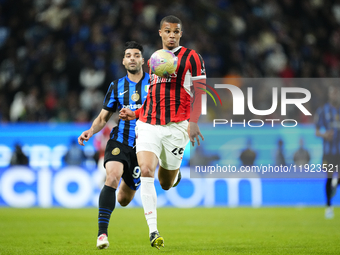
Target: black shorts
{"x":116,"y":151}
{"x":332,"y":162}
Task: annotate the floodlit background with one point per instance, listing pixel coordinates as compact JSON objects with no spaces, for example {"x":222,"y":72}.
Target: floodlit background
{"x":57,"y":59}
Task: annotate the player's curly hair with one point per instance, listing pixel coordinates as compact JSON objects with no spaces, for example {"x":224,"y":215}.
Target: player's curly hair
{"x":133,"y":45}
{"x":170,"y":19}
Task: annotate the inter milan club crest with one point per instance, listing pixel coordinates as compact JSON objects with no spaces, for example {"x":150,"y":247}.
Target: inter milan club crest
{"x":135,"y":96}
{"x":115,"y":151}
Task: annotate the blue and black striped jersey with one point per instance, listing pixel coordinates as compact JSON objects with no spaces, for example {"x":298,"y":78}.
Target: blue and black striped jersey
{"x":124,"y":93}
{"x":327,"y":117}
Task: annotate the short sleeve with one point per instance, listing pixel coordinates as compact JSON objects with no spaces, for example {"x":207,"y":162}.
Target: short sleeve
{"x":197,"y":67}
{"x":110,"y":100}
{"x":319,"y":118}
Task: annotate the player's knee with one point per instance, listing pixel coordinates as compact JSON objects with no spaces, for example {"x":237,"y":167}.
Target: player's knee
{"x":165,"y":185}
{"x":123,"y":201}
{"x":146,"y":170}
{"x":112,"y":180}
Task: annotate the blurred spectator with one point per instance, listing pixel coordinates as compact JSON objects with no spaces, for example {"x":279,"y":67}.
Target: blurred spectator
{"x":301,"y":156}
{"x":279,"y":156}
{"x":17,"y":109}
{"x":202,"y":157}
{"x":18,"y":157}
{"x":75,"y":155}
{"x":55,"y":15}
{"x":248,"y":155}
{"x":53,"y":50}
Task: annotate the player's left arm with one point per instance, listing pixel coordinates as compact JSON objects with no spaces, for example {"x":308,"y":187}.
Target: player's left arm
{"x":197,"y":70}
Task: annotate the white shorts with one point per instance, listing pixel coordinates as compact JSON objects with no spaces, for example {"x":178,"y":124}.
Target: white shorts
{"x":166,"y":141}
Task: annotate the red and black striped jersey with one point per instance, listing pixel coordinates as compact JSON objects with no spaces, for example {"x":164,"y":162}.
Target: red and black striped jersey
{"x":169,"y":98}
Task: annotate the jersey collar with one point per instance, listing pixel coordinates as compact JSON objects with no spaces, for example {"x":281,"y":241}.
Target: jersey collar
{"x":176,"y":49}
{"x":132,"y":82}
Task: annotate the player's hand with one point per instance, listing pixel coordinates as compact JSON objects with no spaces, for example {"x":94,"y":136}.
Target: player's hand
{"x":194,"y":132}
{"x":85,"y":136}
{"x":328,"y":135}
{"x":126,"y":114}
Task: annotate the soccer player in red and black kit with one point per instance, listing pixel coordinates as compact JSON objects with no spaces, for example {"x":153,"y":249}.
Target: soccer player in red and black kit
{"x":165,"y":123}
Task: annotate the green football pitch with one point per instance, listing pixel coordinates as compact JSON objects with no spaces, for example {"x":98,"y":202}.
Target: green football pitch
{"x":185,"y":231}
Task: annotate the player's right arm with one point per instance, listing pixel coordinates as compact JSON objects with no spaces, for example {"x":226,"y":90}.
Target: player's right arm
{"x":97,"y":125}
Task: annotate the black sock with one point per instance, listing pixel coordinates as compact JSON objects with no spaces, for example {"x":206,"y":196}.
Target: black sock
{"x":107,"y":203}
{"x":328,"y":190}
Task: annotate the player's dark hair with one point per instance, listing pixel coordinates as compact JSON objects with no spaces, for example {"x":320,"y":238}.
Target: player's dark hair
{"x":133,"y":45}
{"x":171,"y":19}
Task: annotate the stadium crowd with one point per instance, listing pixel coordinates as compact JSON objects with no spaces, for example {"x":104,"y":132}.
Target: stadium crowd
{"x":58,"y":57}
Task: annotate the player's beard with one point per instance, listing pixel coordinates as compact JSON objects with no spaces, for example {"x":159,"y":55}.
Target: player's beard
{"x":134,"y":71}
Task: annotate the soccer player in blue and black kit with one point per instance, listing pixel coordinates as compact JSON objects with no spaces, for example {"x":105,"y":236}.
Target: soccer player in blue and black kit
{"x":328,"y":118}
{"x":120,"y":155}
